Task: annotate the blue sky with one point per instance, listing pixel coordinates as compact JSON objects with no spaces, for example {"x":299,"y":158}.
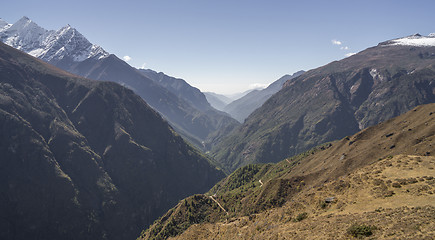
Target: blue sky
{"x":228,"y":46}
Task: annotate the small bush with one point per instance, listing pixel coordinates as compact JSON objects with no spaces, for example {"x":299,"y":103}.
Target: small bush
{"x":301,"y":216}
{"x":323,"y":205}
{"x":361,"y":230}
{"x":388,"y":193}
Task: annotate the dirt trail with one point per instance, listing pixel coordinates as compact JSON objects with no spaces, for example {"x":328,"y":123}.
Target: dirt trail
{"x":212,"y":198}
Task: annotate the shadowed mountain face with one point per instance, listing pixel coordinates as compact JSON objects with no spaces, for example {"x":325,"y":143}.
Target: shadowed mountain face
{"x":331,"y":102}
{"x":180,"y":88}
{"x":182,"y":105}
{"x":193,"y":123}
{"x":195,"y":120}
{"x":207,"y":125}
{"x":82,"y":159}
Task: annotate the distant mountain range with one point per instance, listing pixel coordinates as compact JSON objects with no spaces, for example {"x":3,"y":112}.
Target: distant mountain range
{"x":84,"y":159}
{"x":335,"y":100}
{"x":237,"y":95}
{"x":218,"y":101}
{"x":186,"y":108}
{"x":242,"y":107}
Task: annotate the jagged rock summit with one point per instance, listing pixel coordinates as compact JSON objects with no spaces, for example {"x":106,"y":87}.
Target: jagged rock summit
{"x":65,"y":44}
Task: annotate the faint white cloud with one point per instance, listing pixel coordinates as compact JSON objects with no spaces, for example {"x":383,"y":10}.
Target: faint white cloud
{"x":126,"y":58}
{"x":336,"y":42}
{"x":258,"y":85}
{"x":143,"y":66}
{"x":344,"y":48}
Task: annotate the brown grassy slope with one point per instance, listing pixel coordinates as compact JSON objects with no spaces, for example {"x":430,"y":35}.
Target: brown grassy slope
{"x":406,"y":214}
{"x":411,"y":133}
{"x":368,"y":196}
{"x":359,"y":171}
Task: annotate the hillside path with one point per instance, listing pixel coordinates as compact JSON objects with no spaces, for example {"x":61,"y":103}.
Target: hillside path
{"x":212,"y":198}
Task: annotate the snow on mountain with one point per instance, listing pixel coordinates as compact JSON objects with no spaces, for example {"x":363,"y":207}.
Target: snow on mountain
{"x":51,"y":46}
{"x":24,"y":35}
{"x":69,"y":42}
{"x":416,"y":40}
{"x":3,"y":24}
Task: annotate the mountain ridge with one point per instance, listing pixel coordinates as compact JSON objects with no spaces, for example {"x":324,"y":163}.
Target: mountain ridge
{"x":332,"y":101}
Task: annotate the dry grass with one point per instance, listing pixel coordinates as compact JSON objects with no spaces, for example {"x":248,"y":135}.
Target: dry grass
{"x":365,"y":196}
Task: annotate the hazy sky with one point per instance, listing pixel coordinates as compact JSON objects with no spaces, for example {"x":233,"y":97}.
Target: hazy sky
{"x":229,"y":46}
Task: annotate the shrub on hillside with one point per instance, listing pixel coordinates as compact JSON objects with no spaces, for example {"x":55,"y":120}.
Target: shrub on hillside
{"x":361,"y":230}
{"x":301,"y":216}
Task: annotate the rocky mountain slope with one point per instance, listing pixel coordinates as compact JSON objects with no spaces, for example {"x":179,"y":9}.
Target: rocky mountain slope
{"x":335,"y":100}
{"x":379,"y":182}
{"x":83,"y":159}
{"x":180,"y":88}
{"x":241,"y":108}
{"x":71,"y":51}
{"x":201,"y":127}
{"x":215,"y":124}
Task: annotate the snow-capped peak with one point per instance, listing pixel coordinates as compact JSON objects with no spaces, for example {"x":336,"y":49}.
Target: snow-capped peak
{"x":24,"y":34}
{"x":67,"y":29}
{"x":68,"y":42}
{"x":51,"y":46}
{"x":416,"y":40}
{"x":25,"y":24}
{"x":3,"y":24}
